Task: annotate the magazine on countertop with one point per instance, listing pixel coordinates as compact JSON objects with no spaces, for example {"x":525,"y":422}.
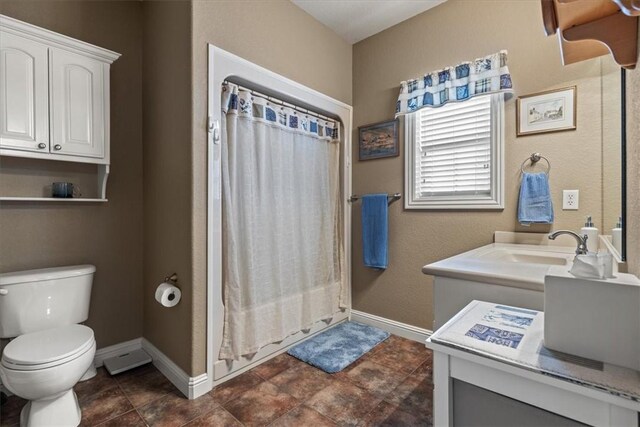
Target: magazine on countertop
{"x":516,"y":336}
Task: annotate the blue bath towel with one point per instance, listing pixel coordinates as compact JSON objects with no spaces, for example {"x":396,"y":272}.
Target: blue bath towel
{"x":535,"y":205}
{"x":375,"y":230}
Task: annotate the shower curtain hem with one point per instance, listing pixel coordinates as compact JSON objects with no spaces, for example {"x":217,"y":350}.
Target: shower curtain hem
{"x":260,"y":346}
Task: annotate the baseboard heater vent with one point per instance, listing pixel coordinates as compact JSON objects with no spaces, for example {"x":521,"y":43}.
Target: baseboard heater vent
{"x":124,"y":362}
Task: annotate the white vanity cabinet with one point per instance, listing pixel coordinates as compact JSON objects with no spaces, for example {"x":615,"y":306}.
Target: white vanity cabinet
{"x":54,"y":97}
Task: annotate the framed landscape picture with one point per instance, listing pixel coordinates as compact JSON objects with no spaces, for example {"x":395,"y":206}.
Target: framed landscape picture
{"x":549,"y":111}
{"x":378,"y":140}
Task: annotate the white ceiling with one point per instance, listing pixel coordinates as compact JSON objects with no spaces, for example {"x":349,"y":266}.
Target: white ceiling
{"x":355,"y":20}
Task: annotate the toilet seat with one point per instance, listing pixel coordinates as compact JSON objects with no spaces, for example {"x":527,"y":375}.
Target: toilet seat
{"x":47,"y":348}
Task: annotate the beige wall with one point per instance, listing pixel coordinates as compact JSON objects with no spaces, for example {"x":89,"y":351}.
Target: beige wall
{"x":167,"y":178}
{"x":288,"y":41}
{"x":109,"y":235}
{"x":285,"y":39}
{"x":611,"y":147}
{"x":448,"y":34}
{"x":276,"y":35}
{"x":633,"y":169}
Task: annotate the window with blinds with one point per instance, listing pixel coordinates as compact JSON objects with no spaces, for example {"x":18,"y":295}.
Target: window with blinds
{"x":456,"y":154}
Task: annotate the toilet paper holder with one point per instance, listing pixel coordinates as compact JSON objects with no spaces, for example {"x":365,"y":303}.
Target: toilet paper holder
{"x":168,"y":293}
{"x":173,"y":279}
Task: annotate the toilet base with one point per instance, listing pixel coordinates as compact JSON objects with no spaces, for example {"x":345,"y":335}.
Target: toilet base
{"x":91,"y":372}
{"x":63,"y":410}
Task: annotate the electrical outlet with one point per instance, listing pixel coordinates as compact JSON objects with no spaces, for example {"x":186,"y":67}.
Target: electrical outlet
{"x":570,"y":200}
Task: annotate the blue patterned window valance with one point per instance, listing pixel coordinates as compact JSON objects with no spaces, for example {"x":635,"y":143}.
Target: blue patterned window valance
{"x":453,"y":84}
{"x":244,"y":103}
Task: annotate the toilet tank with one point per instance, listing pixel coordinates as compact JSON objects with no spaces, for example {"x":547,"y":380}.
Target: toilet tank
{"x":34,"y":300}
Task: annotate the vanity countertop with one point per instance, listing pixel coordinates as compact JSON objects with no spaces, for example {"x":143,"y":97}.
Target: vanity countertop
{"x":508,"y":264}
{"x":503,"y":341}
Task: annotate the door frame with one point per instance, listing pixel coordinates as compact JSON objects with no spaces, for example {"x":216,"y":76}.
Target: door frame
{"x":222,"y":66}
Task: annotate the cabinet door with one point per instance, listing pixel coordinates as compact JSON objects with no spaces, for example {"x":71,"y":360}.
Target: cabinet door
{"x":77,"y":105}
{"x":24,"y":94}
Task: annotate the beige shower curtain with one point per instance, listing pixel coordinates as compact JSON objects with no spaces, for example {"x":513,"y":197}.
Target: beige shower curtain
{"x":282,"y":248}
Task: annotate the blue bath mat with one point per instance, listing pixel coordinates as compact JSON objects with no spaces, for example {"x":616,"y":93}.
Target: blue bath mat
{"x":340,"y":346}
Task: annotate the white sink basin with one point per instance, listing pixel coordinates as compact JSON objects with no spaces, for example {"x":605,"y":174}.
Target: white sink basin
{"x":504,"y":272}
{"x":529,"y":257}
{"x":507,"y":264}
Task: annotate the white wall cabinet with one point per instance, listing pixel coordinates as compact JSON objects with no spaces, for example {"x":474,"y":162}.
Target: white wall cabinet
{"x":24,"y":97}
{"x":54,"y":97}
{"x":77,"y":104}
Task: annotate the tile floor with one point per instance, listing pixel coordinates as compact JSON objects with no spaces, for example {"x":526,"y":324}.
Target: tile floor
{"x":389,"y":386}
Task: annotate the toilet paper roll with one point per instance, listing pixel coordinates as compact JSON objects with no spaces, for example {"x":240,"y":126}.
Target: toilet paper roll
{"x":168,"y":295}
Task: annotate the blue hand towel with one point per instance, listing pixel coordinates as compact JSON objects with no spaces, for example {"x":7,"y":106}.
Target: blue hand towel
{"x":375,"y":230}
{"x":534,"y":205}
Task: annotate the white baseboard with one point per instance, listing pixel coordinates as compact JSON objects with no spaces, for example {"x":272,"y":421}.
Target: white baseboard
{"x":191,"y":387}
{"x":404,"y":330}
{"x":116,"y":350}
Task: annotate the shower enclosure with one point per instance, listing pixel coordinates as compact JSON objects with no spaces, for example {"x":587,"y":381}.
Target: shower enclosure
{"x":259,"y":263}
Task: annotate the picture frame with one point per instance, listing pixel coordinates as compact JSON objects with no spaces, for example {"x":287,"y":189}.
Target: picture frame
{"x":549,"y":111}
{"x":378,"y":140}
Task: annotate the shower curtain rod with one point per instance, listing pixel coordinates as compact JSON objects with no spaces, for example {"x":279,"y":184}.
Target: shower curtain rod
{"x":280,"y":102}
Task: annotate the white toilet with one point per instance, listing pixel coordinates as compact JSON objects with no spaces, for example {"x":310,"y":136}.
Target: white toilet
{"x":50,"y":351}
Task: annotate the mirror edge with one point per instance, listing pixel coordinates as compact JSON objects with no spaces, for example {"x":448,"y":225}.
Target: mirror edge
{"x":623,"y":160}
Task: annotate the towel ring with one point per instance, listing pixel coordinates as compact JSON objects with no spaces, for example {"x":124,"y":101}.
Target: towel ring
{"x":535,"y":158}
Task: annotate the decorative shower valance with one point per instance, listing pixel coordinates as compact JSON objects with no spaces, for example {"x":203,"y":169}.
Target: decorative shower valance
{"x":453,"y":84}
{"x":245,"y":103}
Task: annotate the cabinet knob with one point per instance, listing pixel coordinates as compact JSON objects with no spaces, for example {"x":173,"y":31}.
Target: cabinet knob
{"x":57,"y":147}
{"x":42,"y":146}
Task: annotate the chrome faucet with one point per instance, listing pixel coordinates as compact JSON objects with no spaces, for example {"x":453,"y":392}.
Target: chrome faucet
{"x":582,"y":240}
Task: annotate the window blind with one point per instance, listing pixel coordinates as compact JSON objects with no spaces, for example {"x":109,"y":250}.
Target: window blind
{"x":455,"y":149}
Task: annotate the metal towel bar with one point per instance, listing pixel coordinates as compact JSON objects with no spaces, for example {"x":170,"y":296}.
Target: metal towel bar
{"x":390,"y":198}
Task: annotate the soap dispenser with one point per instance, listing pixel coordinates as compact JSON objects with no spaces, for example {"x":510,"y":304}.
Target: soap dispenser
{"x":616,"y":236}
{"x":592,"y":233}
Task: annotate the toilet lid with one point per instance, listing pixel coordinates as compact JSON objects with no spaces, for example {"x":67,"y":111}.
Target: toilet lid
{"x":41,"y":349}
